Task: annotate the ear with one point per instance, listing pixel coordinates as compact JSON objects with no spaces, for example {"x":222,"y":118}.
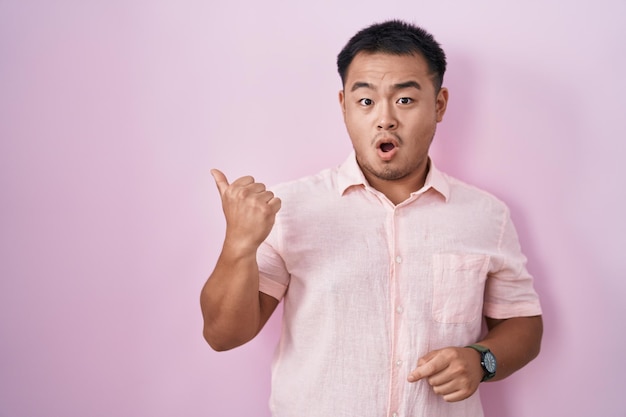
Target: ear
{"x":342,"y":101}
{"x":441,"y":103}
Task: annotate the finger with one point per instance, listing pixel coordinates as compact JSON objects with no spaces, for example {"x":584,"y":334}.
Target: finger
{"x":256,"y":188}
{"x":245,"y":181}
{"x":421,"y":361}
{"x":427,"y":366}
{"x":440,"y":379}
{"x":451,"y":393}
{"x":220,"y":180}
{"x":455,"y":396}
{"x":444,"y":389}
{"x":419,"y":372}
{"x":275,"y":204}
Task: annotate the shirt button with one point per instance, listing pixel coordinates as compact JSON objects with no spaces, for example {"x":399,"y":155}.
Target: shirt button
{"x":399,"y":363}
{"x":394,"y":415}
{"x":399,"y":310}
{"x":398,"y":259}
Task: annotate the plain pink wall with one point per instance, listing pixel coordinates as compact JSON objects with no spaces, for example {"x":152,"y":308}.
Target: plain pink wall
{"x":113,"y":112}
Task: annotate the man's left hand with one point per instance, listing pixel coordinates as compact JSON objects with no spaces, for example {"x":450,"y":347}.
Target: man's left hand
{"x":453,"y":372}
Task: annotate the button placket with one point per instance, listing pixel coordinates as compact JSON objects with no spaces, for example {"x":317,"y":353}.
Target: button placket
{"x":397,"y":309}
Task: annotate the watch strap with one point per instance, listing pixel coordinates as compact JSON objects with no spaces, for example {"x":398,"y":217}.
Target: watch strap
{"x":484,"y":352}
{"x":480,"y":348}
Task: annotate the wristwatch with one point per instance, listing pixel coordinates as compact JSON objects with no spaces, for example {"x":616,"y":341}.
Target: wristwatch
{"x":487,"y":361}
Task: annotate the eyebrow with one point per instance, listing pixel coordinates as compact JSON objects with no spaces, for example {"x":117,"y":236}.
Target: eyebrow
{"x":398,"y":86}
{"x":407,"y":84}
{"x":361,"y":84}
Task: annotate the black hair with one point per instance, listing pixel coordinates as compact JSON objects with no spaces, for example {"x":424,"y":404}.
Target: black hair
{"x":397,"y":38}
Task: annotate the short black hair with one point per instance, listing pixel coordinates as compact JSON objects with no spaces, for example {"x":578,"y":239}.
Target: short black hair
{"x":395,"y":37}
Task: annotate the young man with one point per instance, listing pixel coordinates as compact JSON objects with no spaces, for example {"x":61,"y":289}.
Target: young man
{"x":386,"y":266}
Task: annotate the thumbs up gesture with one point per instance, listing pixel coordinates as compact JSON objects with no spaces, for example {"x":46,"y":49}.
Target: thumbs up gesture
{"x":250,"y":210}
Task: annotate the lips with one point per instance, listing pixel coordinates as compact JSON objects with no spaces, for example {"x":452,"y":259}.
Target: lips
{"x":387,"y":148}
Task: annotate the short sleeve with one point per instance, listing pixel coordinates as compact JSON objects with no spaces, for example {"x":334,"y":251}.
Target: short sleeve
{"x":509,"y":290}
{"x":273,"y":274}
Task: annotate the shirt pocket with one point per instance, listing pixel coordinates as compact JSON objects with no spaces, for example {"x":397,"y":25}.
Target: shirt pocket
{"x":458,"y":287}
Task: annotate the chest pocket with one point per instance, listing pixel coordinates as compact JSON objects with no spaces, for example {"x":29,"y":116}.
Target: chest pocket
{"x":458,"y":287}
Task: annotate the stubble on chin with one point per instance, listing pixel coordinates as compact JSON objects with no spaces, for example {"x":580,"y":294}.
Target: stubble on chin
{"x":386,"y":173}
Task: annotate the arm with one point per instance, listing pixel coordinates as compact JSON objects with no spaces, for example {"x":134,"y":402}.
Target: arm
{"x":515,"y":342}
{"x":455,"y":372}
{"x":233,"y":309}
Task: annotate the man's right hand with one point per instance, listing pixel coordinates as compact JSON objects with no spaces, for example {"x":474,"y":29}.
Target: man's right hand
{"x":250,"y":210}
{"x":233,"y":308}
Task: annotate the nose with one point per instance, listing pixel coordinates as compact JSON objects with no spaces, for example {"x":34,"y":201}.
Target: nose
{"x":387,"y":118}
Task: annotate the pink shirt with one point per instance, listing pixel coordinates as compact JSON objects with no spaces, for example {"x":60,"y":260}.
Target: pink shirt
{"x":369,"y":287}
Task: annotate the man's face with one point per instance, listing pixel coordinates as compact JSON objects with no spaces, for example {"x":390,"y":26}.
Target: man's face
{"x":391,"y":111}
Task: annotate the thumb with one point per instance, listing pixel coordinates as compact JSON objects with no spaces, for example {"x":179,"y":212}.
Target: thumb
{"x":220,"y":180}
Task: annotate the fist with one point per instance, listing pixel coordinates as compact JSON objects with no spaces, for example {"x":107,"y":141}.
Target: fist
{"x":250,"y":209}
{"x":453,"y":373}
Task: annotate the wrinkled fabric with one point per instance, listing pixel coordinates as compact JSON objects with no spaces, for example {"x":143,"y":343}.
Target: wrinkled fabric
{"x":369,"y":287}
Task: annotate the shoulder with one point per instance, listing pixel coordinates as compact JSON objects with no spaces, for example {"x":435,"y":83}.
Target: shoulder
{"x":461,"y":191}
{"x":475,"y":201}
{"x":322,"y":182}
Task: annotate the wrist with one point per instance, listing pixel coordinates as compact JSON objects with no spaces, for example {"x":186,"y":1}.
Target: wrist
{"x":488,"y":361}
{"x":237,"y":247}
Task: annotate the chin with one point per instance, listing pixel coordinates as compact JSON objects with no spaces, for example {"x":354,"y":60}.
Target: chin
{"x":387,"y":173}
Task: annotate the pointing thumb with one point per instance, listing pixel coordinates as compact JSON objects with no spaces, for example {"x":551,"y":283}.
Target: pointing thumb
{"x":220,"y":180}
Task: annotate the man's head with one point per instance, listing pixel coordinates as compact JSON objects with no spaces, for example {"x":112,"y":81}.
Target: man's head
{"x":395,"y":37}
{"x":392,"y":101}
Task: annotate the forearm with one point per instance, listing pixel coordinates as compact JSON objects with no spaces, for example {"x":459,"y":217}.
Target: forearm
{"x":515,"y":342}
{"x":233,"y":309}
{"x":230,"y":300}
{"x":455,"y":372}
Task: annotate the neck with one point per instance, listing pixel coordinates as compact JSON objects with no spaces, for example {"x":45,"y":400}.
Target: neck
{"x":398,"y":190}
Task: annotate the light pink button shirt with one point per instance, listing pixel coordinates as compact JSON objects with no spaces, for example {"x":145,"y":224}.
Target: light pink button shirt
{"x":369,"y":287}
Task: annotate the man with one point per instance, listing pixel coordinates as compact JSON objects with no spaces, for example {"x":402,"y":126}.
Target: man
{"x":386,"y":266}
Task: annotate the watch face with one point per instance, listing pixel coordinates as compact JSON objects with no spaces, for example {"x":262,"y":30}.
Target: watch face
{"x":490,"y":362}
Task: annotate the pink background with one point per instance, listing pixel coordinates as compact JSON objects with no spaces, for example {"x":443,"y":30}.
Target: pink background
{"x":113,"y":112}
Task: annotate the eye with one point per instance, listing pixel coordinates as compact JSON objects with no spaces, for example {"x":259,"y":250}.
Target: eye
{"x":366,"y":102}
{"x":405,"y":100}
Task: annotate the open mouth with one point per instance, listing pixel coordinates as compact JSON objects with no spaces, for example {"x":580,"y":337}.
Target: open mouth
{"x":387,"y":147}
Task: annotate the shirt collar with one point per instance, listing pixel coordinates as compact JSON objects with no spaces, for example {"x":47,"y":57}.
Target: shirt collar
{"x":350,"y":175}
